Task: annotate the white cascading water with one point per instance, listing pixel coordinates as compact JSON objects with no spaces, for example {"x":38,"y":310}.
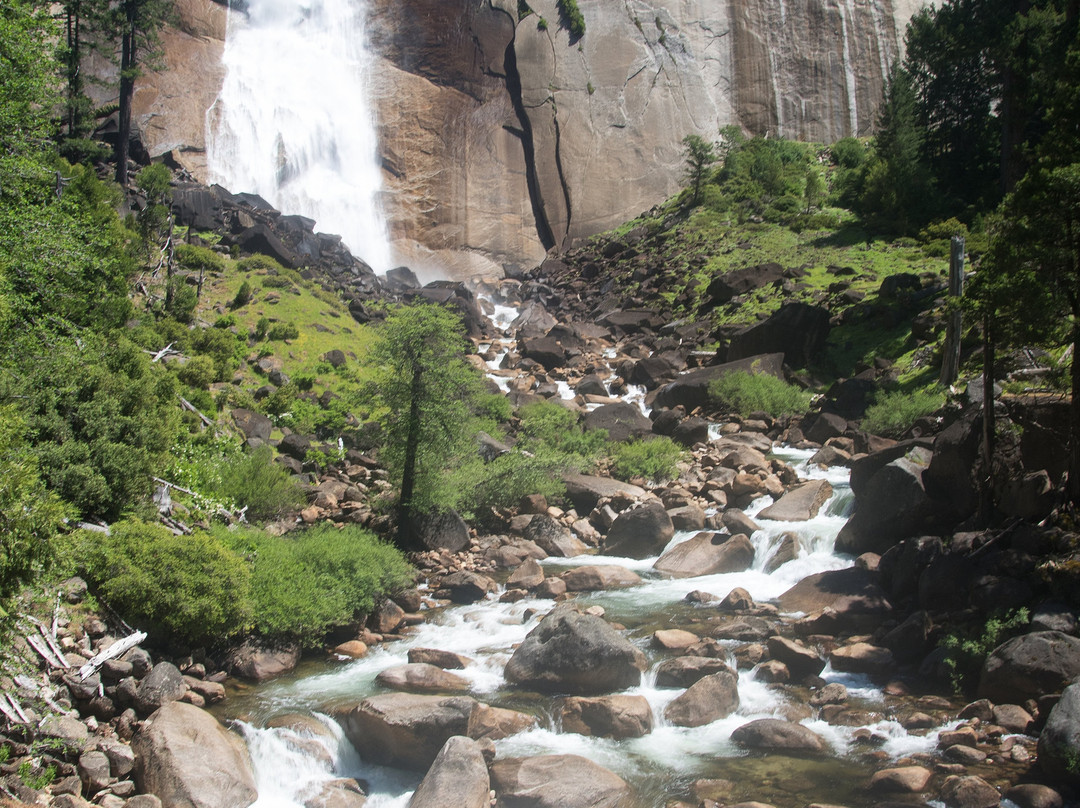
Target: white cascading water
{"x":294,"y":122}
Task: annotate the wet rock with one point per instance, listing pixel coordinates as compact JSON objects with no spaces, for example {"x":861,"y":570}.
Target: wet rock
{"x":799,"y":504}
{"x":387,"y":618}
{"x":599,"y":577}
{"x":862,"y":657}
{"x":903,"y":780}
{"x":969,"y":792}
{"x":186,"y":758}
{"x":772,"y":672}
{"x":674,"y":639}
{"x":687,"y":518}
{"x":965,"y":755}
{"x":354,"y":649}
{"x":775,"y":734}
{"x":747,"y":629}
{"x":707,"y":554}
{"x":1060,"y":738}
{"x":342,"y":792}
{"x":615,"y":717}
{"x":528,"y":575}
{"x":800,"y":660}
{"x":558,"y":781}
{"x":575,"y":653}
{"x":447,"y":660}
{"x":1013,"y":718}
{"x":1033,"y":795}
{"x":738,"y":522}
{"x":496,"y":723}
{"x":786,"y":550}
{"x":832,"y":693}
{"x":163,"y":684}
{"x":640,"y":532}
{"x":420,"y":677}
{"x":853,"y":595}
{"x":468,"y":587}
{"x":586,"y":491}
{"x":259,"y":662}
{"x":621,"y":419}
{"x":1030,"y":666}
{"x":686,"y":670}
{"x":458,"y":778}
{"x":403,"y":729}
{"x":553,"y":537}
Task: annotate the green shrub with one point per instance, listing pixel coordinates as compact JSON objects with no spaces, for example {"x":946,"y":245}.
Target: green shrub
{"x":225,"y":322}
{"x":183,"y":302}
{"x":966,"y":651}
{"x":193,"y":256}
{"x":259,"y":263}
{"x":946,"y":229}
{"x":192,"y":588}
{"x":574,"y":19}
{"x":224,"y":347}
{"x":276,"y":282}
{"x":243,"y":296}
{"x":541,"y":24}
{"x":892,"y":414}
{"x":848,"y":152}
{"x":654,"y":459}
{"x":198,"y":372}
{"x":545,"y":425}
{"x":744,"y":393}
{"x":254,"y":481}
{"x":506,"y":479}
{"x":261,"y":327}
{"x":283,"y":331}
{"x":310,"y":581}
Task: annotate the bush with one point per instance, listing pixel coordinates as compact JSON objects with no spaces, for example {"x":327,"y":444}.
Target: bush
{"x":192,"y":256}
{"x":243,"y":296}
{"x":197,"y":372}
{"x":277,"y":282}
{"x":574,"y":19}
{"x":848,"y":152}
{"x":189,"y":588}
{"x":259,"y":263}
{"x":283,"y":331}
{"x":261,"y":327}
{"x":892,"y":414}
{"x":254,"y":481}
{"x":506,"y":479}
{"x":744,"y":393}
{"x":965,"y":652}
{"x":545,"y":425}
{"x":308,"y":582}
{"x":654,"y":459}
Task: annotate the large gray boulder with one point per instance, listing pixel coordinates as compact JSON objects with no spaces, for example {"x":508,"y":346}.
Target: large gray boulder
{"x":402,"y":729}
{"x":188,"y":760}
{"x":1030,"y":666}
{"x":796,"y":330}
{"x":853,"y":597}
{"x":557,"y":781}
{"x":163,"y":684}
{"x":617,"y":717}
{"x":421,"y":677}
{"x":259,"y":662}
{"x":707,"y":554}
{"x":586,"y":491}
{"x":621,"y":419}
{"x":640,"y":532}
{"x":458,"y":778}
{"x":691,"y":390}
{"x":553,"y":537}
{"x":799,"y":504}
{"x":575,"y":653}
{"x":1059,"y":741}
{"x":776,"y":735}
{"x":685,"y":670}
{"x":597,"y":577}
{"x":710,"y":698}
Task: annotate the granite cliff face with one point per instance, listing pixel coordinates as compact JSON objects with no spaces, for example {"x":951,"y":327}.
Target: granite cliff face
{"x":502,"y":137}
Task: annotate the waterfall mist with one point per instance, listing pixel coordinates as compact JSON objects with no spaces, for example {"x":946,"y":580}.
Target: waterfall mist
{"x":294,"y":123}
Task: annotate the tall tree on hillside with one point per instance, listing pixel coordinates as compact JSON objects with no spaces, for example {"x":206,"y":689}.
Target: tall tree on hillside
{"x":424,"y":391}
{"x":137,"y":24}
{"x":700,"y":157}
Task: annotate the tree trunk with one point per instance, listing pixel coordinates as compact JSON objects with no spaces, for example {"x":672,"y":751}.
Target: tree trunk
{"x":406,"y":537}
{"x":986,"y":482}
{"x":950,"y":363}
{"x":1073,"y":490}
{"x":128,"y":56}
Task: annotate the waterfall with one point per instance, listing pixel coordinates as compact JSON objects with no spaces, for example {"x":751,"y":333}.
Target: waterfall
{"x":294,"y":122}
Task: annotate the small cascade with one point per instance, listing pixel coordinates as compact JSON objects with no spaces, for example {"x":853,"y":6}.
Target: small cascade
{"x":294,"y":121}
{"x":846,"y":10}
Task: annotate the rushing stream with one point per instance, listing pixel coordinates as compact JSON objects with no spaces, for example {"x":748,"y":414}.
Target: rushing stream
{"x":660,"y":765}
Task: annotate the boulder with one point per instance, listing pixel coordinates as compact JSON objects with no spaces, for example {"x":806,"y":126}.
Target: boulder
{"x":710,"y":698}
{"x":1034,"y":795}
{"x":691,"y":390}
{"x":420,"y":677}
{"x":687,"y":518}
{"x":852,"y":596}
{"x":969,"y":792}
{"x":911,"y":640}
{"x":674,"y":639}
{"x":1060,"y":737}
{"x":528,"y":575}
{"x":586,"y":491}
{"x":558,"y":781}
{"x":468,"y":587}
{"x":799,"y":504}
{"x":189,"y":760}
{"x":773,"y":734}
{"x":403,"y":729}
{"x":259,"y":662}
{"x":639,"y":532}
{"x":575,"y":653}
{"x":722,"y":288}
{"x":684,"y":671}
{"x":495,"y":723}
{"x":621,"y":419}
{"x":544,"y":351}
{"x":796,"y":330}
{"x":439,"y":530}
{"x":736,"y":521}
{"x":341,"y":792}
{"x":163,"y":684}
{"x":861,"y":657}
{"x":253,"y":424}
{"x":458,"y":778}
{"x":707,"y":554}
{"x":903,"y":780}
{"x":447,"y":660}
{"x":1030,"y":666}
{"x":553,"y":537}
{"x":800,"y":660}
{"x":615,"y":717}
{"x":599,"y":577}
{"x":785,"y":550}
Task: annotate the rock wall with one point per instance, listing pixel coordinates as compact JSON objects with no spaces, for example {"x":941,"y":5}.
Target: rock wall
{"x":503,"y":135}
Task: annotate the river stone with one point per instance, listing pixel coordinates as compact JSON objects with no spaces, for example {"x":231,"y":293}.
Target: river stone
{"x":969,"y":792}
{"x":420,"y":677}
{"x":341,"y":792}
{"x":163,"y":684}
{"x":528,"y":575}
{"x":707,"y":554}
{"x":737,"y":600}
{"x":674,"y":639}
{"x":710,"y":698}
{"x":862,"y":657}
{"x":496,"y":723}
{"x":553,"y":537}
{"x":404,"y":729}
{"x":447,"y":660}
{"x":1013,"y":718}
{"x":557,"y":781}
{"x":621,"y":419}
{"x":617,"y":717}
{"x":799,"y":504}
{"x":94,"y":771}
{"x":586,"y":491}
{"x":189,"y":760}
{"x":259,"y":662}
{"x":965,"y":755}
{"x":775,"y":734}
{"x":458,"y":778}
{"x":1030,"y":666}
{"x":736,"y":521}
{"x":800,"y":660}
{"x":787,"y":549}
{"x":640,"y":532}
{"x":687,"y":518}
{"x":905,"y":779}
{"x":1033,"y":795}
{"x":467,"y":587}
{"x":686,"y":670}
{"x":598,"y":577}
{"x":575,"y":653}
{"x":853,"y":595}
{"x":832,"y":693}
{"x":1060,"y":738}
